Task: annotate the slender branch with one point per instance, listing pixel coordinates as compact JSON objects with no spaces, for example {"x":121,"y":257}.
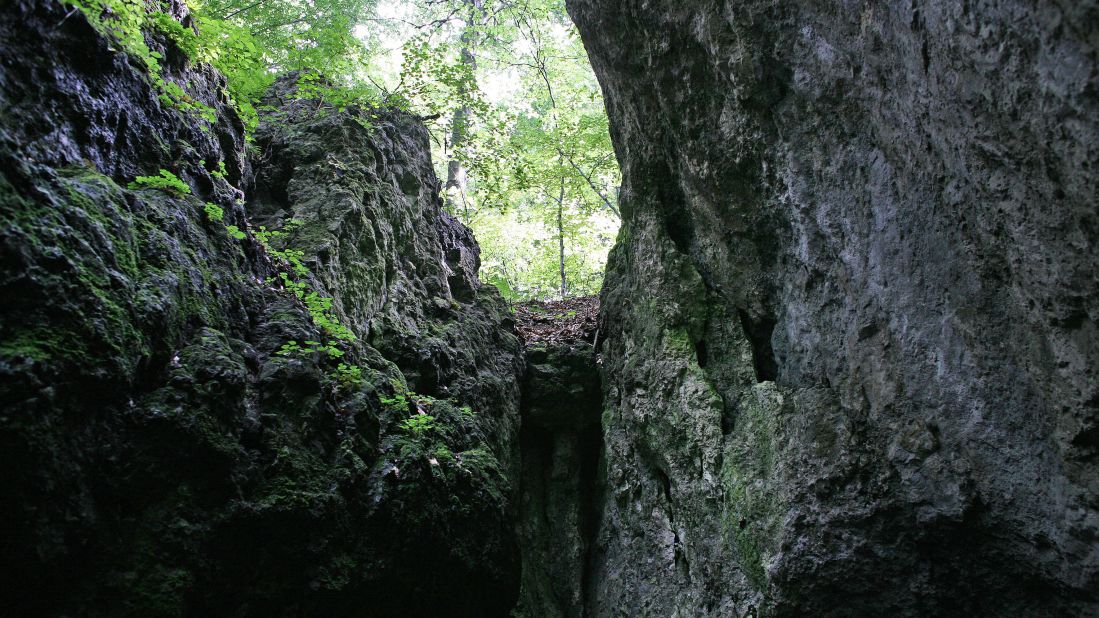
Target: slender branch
{"x":67,"y":15}
{"x":591,"y":183}
{"x":242,"y":9}
{"x":269,"y":27}
{"x":539,"y":58}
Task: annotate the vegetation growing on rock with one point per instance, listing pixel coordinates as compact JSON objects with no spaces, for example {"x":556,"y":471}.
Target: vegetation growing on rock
{"x":162,"y":435}
{"x":515,"y":111}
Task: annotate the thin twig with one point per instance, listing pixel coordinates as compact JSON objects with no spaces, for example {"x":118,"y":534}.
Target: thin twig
{"x":591,"y":183}
{"x":67,"y":15}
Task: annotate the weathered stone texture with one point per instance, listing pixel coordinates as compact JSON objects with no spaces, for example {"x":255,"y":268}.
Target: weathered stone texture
{"x":161,"y":458}
{"x":851,"y":320}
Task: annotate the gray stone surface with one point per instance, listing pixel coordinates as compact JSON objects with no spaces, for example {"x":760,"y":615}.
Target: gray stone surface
{"x":851,"y":320}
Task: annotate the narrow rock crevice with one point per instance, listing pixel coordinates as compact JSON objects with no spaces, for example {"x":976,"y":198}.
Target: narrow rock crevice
{"x":560,"y":488}
{"x":845,"y":363}
{"x":759,"y":331}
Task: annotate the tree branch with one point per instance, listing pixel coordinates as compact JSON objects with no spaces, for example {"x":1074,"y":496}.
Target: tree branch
{"x":591,"y":183}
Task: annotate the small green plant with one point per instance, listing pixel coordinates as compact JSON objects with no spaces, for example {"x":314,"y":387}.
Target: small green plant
{"x":418,"y":424}
{"x":173,"y":95}
{"x":291,"y":348}
{"x":165,"y":181}
{"x":264,"y":236}
{"x":220,"y":172}
{"x":294,"y":277}
{"x":295,"y":280}
{"x":184,"y":38}
{"x":305,"y":348}
{"x":442,"y":453}
{"x":348,"y":376}
{"x":214,"y":212}
{"x":398,"y":401}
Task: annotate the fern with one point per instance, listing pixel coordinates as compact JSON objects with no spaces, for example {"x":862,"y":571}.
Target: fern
{"x":418,"y":424}
{"x":166,"y":181}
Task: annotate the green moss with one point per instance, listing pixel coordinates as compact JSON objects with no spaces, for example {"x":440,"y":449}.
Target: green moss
{"x":89,"y":212}
{"x":442,"y":453}
{"x":446,"y":445}
{"x":159,"y":591}
{"x":339,"y":572}
{"x":752,"y":509}
{"x":485,"y":472}
{"x":678,"y":341}
{"x":291,"y":493}
{"x":42,"y":344}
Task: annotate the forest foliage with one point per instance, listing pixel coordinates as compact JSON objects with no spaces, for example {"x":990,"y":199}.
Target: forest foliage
{"x":518,"y":124}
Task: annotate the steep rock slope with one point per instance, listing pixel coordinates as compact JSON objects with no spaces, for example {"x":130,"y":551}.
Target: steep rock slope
{"x":161,"y":456}
{"x":850,"y":324}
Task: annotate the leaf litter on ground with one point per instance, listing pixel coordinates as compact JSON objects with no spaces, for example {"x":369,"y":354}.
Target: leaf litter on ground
{"x":572,"y":320}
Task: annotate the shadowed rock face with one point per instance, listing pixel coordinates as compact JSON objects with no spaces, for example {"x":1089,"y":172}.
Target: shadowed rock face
{"x":851,"y":319}
{"x":161,"y":457}
{"x":560,"y":446}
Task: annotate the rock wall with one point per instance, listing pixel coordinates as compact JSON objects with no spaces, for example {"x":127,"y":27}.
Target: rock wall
{"x":161,"y":456}
{"x":850,"y":323}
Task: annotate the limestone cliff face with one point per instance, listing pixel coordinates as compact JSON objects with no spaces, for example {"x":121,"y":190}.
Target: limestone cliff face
{"x":161,"y":457}
{"x":851,"y":319}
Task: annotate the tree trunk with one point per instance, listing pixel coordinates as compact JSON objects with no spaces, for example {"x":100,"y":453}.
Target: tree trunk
{"x":456,"y":179}
{"x":455,"y":188}
{"x":561,"y":239}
